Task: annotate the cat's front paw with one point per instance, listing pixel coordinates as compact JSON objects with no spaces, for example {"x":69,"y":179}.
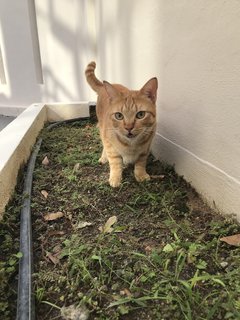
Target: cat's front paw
{"x":142,"y":177}
{"x":103,"y":160}
{"x":115,"y":182}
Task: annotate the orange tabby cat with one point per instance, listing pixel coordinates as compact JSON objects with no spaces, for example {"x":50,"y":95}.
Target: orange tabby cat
{"x":127,"y":123}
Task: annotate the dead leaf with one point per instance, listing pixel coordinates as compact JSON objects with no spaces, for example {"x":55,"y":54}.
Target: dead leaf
{"x":107,"y":228}
{"x":127,"y":293}
{"x":69,"y":216}
{"x":44,"y":193}
{"x":148,"y":249}
{"x":83,"y":224}
{"x":55,"y":233}
{"x":160,"y":176}
{"x":53,"y":216}
{"x":45,"y":161}
{"x":57,"y":250}
{"x":53,"y":258}
{"x":233,"y":240}
{"x":224,"y":264}
{"x":76,"y":167}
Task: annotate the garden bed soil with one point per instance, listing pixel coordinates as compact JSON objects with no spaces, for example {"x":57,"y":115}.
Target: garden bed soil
{"x":142,"y":251}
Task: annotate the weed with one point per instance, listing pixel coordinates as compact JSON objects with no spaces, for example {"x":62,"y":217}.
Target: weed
{"x":9,"y":258}
{"x":161,"y":259}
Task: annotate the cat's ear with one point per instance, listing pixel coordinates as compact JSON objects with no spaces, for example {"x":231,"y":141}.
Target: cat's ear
{"x":111,"y":91}
{"x":150,"y":89}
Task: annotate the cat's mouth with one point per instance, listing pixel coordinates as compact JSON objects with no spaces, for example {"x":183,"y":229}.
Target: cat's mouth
{"x":130,"y":135}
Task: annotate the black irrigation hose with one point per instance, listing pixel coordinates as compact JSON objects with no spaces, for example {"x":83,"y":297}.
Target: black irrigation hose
{"x":25,"y":301}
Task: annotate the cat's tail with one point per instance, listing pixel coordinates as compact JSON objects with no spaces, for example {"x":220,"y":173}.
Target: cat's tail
{"x":94,"y":83}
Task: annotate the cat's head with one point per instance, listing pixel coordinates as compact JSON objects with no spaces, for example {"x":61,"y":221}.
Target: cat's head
{"x":133,"y":113}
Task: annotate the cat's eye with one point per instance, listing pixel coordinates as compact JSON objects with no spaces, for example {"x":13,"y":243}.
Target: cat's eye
{"x":140,"y":114}
{"x":118,"y":115}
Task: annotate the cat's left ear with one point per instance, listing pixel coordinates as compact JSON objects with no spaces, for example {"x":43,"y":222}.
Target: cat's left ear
{"x":150,"y":89}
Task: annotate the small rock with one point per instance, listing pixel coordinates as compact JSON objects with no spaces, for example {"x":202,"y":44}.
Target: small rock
{"x":75,"y":313}
{"x":45,"y":161}
{"x":224,"y":264}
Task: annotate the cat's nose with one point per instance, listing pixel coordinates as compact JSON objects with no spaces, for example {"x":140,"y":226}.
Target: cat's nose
{"x":129,"y":127}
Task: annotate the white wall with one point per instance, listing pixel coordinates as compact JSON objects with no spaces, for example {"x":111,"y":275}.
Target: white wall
{"x":67,"y":41}
{"x":17,"y":55}
{"x":44,"y":47}
{"x":128,"y":37}
{"x":199,"y":127}
{"x":193,"y":47}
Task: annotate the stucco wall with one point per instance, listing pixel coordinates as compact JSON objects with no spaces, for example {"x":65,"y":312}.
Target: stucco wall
{"x":200,"y":113}
{"x":193,"y":47}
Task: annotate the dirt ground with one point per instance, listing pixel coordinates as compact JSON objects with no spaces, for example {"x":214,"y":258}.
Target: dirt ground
{"x":142,"y":251}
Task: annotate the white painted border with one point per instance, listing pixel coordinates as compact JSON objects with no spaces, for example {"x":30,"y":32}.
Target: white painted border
{"x":63,"y":111}
{"x":221,"y":190}
{"x":18,"y":138}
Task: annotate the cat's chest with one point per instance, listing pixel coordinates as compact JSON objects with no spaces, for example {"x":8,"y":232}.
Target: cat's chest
{"x":129,"y":150}
{"x":129,"y":159}
{"x":130,"y":154}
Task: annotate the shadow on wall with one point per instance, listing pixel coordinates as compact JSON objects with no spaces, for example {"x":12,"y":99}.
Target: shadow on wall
{"x":67,"y":80}
{"x":64,"y":82}
{"x":114,"y":42}
{"x":20,"y":87}
{"x":128,"y":41}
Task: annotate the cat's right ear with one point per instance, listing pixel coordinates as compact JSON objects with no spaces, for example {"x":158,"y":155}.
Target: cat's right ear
{"x":111,"y":91}
{"x":150,"y":89}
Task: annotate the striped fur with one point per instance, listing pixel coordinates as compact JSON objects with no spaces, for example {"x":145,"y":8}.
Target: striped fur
{"x":94,"y":83}
{"x":127,"y":123}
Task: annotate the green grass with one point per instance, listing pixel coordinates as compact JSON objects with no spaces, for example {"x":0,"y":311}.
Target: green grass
{"x":162,"y":259}
{"x":9,"y":257}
